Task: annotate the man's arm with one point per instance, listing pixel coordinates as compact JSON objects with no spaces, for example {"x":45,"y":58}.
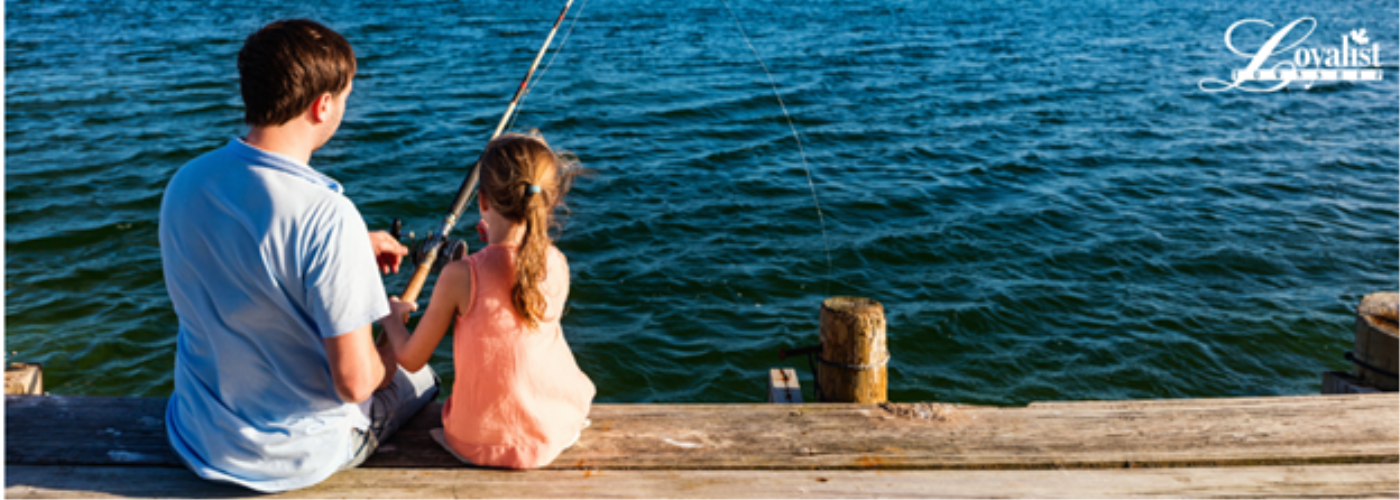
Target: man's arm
{"x":356,"y":366}
{"x":389,"y":253}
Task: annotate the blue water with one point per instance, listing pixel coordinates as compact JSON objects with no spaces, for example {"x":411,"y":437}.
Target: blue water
{"x":1044,"y":200}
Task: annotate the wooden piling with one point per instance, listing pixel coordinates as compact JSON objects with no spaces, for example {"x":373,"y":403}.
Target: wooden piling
{"x":1375,"y":352}
{"x":853,"y":355}
{"x":24,"y":378}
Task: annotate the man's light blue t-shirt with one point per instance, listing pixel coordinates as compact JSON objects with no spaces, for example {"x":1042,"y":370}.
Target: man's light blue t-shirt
{"x":264,"y":258}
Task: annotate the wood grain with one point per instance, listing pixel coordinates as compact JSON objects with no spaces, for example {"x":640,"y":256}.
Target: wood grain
{"x":1336,"y":481}
{"x":852,"y":332}
{"x":1355,"y":428}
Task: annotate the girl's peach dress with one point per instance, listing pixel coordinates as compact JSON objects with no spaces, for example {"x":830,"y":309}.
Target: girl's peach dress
{"x":519,"y":398}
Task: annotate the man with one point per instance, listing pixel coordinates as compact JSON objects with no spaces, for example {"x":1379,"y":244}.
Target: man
{"x":272,"y":273}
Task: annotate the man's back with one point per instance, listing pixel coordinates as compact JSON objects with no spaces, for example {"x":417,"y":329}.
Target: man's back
{"x":264,"y":259}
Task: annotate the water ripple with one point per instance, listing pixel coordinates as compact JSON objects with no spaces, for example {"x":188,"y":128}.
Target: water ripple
{"x":1046,"y":204}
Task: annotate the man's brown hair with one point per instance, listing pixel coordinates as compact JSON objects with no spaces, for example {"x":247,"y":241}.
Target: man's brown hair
{"x":286,"y":65}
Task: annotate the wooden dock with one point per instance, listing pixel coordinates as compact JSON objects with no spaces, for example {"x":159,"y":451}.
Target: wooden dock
{"x":1333,"y":446}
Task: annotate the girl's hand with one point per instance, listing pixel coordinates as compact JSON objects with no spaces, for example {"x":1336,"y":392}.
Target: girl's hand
{"x":399,"y":309}
{"x":481,"y":230}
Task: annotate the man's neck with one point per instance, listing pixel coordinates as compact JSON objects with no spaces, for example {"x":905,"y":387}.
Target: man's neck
{"x":287,"y":139}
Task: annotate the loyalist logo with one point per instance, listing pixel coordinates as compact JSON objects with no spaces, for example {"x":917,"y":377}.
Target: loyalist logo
{"x":1356,"y":58}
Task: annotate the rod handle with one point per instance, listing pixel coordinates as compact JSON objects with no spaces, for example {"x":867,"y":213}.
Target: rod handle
{"x":420,"y":278}
{"x":414,"y":288}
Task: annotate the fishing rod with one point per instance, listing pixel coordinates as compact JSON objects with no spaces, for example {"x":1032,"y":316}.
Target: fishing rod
{"x":438,"y":245}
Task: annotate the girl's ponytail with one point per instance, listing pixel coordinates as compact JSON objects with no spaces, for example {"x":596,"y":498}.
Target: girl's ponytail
{"x":532,"y":259}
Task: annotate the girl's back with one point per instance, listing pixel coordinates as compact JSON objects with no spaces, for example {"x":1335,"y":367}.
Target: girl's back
{"x":519,"y":397}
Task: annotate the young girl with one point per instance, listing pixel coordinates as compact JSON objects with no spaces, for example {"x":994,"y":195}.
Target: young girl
{"x":520,"y":398}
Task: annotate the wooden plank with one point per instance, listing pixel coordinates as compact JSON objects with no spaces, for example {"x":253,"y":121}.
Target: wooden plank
{"x":1359,"y":428}
{"x":24,"y":378}
{"x":1344,"y":383}
{"x":81,"y":430}
{"x":1354,"y":481}
{"x":1254,"y":403}
{"x":783,"y":387}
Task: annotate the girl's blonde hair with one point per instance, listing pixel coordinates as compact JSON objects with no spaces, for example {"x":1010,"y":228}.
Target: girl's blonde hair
{"x":525,"y":181}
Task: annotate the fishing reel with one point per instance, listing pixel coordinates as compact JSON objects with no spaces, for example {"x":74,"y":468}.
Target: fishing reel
{"x":452,"y":249}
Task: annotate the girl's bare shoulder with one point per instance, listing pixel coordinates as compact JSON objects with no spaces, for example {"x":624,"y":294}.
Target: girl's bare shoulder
{"x":557,"y":258}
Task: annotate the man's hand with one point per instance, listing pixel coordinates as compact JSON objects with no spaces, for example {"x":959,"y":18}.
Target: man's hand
{"x":387,"y":250}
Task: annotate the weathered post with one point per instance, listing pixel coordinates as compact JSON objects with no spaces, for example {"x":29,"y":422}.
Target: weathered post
{"x":24,"y":378}
{"x":1374,"y":355}
{"x":851,"y":367}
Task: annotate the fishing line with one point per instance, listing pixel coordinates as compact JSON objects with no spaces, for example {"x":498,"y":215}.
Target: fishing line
{"x":562,"y":42}
{"x":800,"y":150}
{"x":772,"y":83}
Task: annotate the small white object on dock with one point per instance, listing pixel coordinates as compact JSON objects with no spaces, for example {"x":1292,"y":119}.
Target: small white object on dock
{"x":783,"y":387}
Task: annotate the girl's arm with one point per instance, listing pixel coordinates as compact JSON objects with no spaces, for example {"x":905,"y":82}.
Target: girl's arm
{"x":452,"y":293}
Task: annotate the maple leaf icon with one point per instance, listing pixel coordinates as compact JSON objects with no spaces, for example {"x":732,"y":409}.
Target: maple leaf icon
{"x":1359,"y":36}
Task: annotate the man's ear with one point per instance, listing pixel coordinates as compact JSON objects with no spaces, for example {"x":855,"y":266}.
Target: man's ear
{"x":482,"y":204}
{"x":321,"y":108}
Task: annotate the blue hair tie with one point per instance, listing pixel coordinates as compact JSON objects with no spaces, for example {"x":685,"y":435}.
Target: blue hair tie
{"x":534,"y":189}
